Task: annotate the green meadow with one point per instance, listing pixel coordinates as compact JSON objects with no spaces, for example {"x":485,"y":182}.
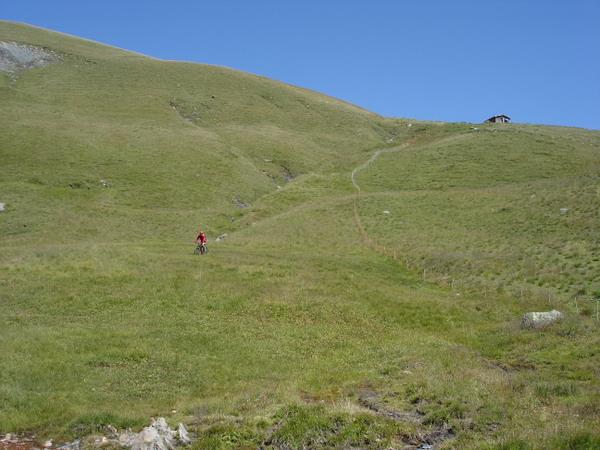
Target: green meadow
{"x":296,"y":330}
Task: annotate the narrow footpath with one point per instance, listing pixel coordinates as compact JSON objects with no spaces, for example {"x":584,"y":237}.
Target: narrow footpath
{"x":382,"y":249}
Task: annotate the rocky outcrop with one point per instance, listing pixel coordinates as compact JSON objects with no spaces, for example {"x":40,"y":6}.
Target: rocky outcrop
{"x":15,"y":57}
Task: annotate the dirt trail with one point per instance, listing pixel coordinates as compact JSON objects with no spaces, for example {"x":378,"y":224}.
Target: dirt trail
{"x":373,"y":157}
{"x":382,"y":249}
{"x":357,"y":220}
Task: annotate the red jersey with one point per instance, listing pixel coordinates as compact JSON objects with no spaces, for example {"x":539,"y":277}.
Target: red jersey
{"x":201,"y":238}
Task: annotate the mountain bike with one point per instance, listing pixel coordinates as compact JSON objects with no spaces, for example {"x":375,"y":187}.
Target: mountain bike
{"x":201,"y":249}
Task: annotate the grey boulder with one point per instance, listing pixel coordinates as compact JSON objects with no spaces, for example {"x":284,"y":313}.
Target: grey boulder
{"x":541,"y":319}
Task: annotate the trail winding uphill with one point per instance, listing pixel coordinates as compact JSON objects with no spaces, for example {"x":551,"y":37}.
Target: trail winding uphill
{"x":368,"y":162}
{"x":357,"y":220}
{"x":353,"y":177}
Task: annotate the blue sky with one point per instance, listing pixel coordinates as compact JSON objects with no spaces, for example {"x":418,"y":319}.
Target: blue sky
{"x":537,"y":61}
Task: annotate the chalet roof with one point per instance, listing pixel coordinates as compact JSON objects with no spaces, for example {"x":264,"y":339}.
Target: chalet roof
{"x":499,"y":115}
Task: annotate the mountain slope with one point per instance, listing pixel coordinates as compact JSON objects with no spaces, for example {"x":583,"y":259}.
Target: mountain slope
{"x":102,"y":113}
{"x":292,"y":332}
{"x":498,"y":207}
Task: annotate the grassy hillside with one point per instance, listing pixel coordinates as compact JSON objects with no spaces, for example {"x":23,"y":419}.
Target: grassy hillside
{"x":292,"y":332}
{"x":497,"y":207}
{"x":166,"y":136}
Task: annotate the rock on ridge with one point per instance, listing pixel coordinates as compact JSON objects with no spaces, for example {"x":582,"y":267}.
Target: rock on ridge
{"x":15,"y":57}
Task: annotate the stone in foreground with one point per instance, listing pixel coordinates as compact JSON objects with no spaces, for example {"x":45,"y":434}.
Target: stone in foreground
{"x":541,"y":319}
{"x":158,"y":436}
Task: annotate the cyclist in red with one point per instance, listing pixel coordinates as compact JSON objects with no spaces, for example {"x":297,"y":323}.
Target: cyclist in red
{"x":201,"y":241}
